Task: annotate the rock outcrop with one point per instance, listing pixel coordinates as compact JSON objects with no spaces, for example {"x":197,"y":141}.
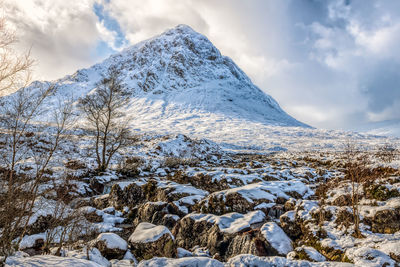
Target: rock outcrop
{"x":149,"y":240}
{"x":111,"y":245}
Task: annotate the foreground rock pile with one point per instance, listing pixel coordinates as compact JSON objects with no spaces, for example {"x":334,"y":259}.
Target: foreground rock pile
{"x":250,"y":210}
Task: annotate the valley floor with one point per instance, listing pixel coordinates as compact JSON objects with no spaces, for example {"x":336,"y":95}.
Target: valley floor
{"x":176,"y":201}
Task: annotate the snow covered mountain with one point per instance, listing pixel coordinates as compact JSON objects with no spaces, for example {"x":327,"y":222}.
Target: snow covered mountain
{"x":180,"y":83}
{"x":388,"y":128}
{"x":180,"y":75}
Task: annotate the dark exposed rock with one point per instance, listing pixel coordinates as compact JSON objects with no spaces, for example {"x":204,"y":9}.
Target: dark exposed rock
{"x":130,"y":196}
{"x":82,"y":202}
{"x":342,"y":200}
{"x":96,"y":185}
{"x":250,"y":242}
{"x":93,"y":217}
{"x":290,"y":204}
{"x":151,"y":212}
{"x":384,"y":221}
{"x":289,"y":225}
{"x":222,"y":204}
{"x":36,"y":248}
{"x":169,"y":220}
{"x":276,"y":211}
{"x":344,"y":217}
{"x":184,"y":230}
{"x":201,"y":181}
{"x":41,"y":224}
{"x":155,"y":212}
{"x":101,"y":202}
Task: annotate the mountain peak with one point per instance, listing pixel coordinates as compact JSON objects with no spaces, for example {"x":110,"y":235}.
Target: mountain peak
{"x":181,"y":74}
{"x":181,"y":29}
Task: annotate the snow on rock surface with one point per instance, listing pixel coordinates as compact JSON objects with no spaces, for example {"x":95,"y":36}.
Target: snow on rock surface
{"x":369,"y":257}
{"x":182,"y":262}
{"x":48,"y":260}
{"x":113,"y":241}
{"x":251,"y":260}
{"x":29,"y":241}
{"x":94,"y":255}
{"x":238,"y":261}
{"x":148,"y":232}
{"x":277,"y":238}
{"x":231,"y":222}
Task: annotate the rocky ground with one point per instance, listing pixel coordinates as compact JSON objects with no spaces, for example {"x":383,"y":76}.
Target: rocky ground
{"x":175,"y":201}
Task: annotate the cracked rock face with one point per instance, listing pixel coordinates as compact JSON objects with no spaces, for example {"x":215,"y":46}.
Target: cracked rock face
{"x":149,"y":240}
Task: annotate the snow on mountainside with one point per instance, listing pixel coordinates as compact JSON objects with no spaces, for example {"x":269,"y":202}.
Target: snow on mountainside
{"x":182,"y":72}
{"x":180,"y":83}
{"x":388,"y":128}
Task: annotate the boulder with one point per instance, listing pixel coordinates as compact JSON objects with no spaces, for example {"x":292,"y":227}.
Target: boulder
{"x":185,"y":228}
{"x":276,"y":238}
{"x":289,"y":224}
{"x":246,"y":243}
{"x":385,"y":221}
{"x":216,"y":233}
{"x":110,"y":245}
{"x":149,"y":240}
{"x":156,"y":213}
{"x":33,"y":244}
{"x":129,"y":196}
{"x":269,"y":240}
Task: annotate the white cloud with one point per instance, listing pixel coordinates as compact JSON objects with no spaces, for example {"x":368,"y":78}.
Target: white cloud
{"x":62,"y":34}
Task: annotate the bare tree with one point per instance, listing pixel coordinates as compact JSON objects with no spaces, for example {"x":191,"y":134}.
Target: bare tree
{"x":15,"y":69}
{"x":103,"y":112}
{"x":66,"y":225}
{"x":25,"y":149}
{"x":386,"y":153}
{"x":357,"y":172}
{"x":25,"y":154}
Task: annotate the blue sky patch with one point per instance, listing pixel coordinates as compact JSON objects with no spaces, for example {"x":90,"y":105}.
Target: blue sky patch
{"x":111,"y":24}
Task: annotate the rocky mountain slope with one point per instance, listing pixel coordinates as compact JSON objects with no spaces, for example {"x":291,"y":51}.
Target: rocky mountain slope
{"x":179,"y":78}
{"x":181,"y":84}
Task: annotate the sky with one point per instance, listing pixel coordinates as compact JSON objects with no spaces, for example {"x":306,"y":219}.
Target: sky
{"x":330,"y":63}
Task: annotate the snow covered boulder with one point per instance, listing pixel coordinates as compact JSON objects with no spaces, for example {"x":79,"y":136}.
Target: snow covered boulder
{"x":48,"y":260}
{"x":182,"y":262}
{"x":149,"y":240}
{"x":245,"y":198}
{"x":276,"y":238}
{"x":33,"y":244}
{"x":110,"y":245}
{"x":215,"y":232}
{"x":252,"y":260}
{"x":269,"y":240}
{"x":365,"y":256}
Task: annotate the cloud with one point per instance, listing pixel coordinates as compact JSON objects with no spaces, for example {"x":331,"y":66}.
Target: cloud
{"x":61,"y":34}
